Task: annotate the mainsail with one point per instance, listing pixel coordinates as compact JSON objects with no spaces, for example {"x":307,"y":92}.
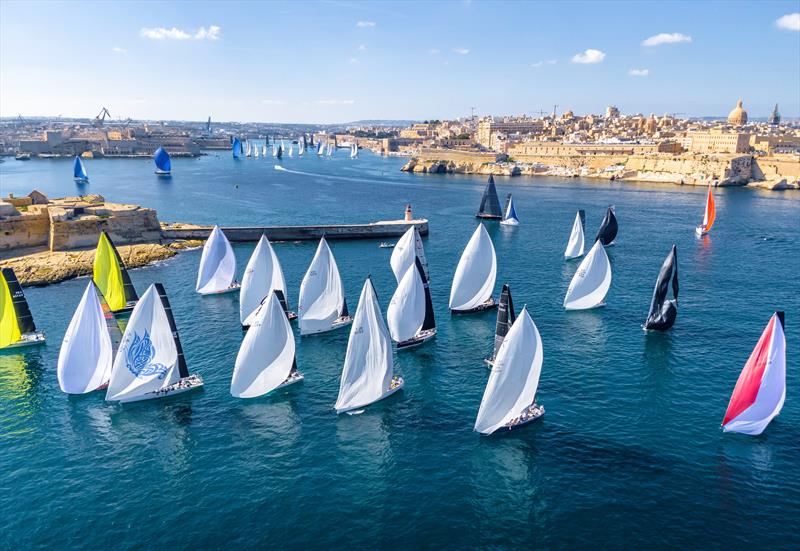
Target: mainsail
{"x":761,"y":389}
{"x":262,"y":275}
{"x":16,"y":319}
{"x":111,"y":277}
{"x":476,"y":272}
{"x":406,"y":312}
{"x":505,"y":319}
{"x":86,"y":355}
{"x":267,"y":354}
{"x":79,"y":171}
{"x":591,"y":281}
{"x":663,"y":311}
{"x":514,"y":379}
{"x":576,"y":241}
{"x":490,"y":204}
{"x":608,"y":228}
{"x":322,"y":299}
{"x":217,"y":265}
{"x":709,"y":215}
{"x":408,"y":248}
{"x":161,"y":159}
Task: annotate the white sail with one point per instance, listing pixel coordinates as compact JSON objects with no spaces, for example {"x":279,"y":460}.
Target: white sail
{"x":262,"y":275}
{"x":255,"y":151}
{"x":217,"y":265}
{"x":476,"y":272}
{"x":267,"y":352}
{"x":591,"y":281}
{"x":405,"y":251}
{"x":147,"y":358}
{"x":291,"y":151}
{"x":575,"y":245}
{"x":300,"y":149}
{"x":86,"y":355}
{"x":368,"y":367}
{"x":406,"y":312}
{"x":264,"y":149}
{"x":322,"y":298}
{"x":514,"y":378}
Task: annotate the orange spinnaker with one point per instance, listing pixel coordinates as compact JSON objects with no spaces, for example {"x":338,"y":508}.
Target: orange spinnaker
{"x":711,"y":211}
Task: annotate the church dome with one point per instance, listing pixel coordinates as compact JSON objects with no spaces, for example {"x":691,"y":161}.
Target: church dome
{"x":738,"y":116}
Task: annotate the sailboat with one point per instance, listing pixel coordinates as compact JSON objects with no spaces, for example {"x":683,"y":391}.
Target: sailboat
{"x":279,"y":154}
{"x":406,"y":312}
{"x":301,"y":147}
{"x":608,"y":228}
{"x":331,"y":149}
{"x":248,"y":149}
{"x":262,"y":275}
{"x":591,"y":282}
{"x":509,"y":400}
{"x":490,"y":204}
{"x":79,"y":171}
{"x":161,"y":159}
{"x":709,"y":216}
{"x":576,"y":241}
{"x":368,"y":374}
{"x":255,"y":151}
{"x":217,"y":273}
{"x":475,"y":275}
{"x":266,"y":360}
{"x":322,"y":305}
{"x":321,"y":148}
{"x":17,"y":328}
{"x":274,"y":149}
{"x":510,"y":216}
{"x":264,"y":148}
{"x":505,"y":318}
{"x":761,"y":389}
{"x":291,"y":150}
{"x":354,"y":150}
{"x":236,"y":148}
{"x":663,"y":311}
{"x":87,"y":353}
{"x":282,"y":146}
{"x":406,"y":251}
{"x":111,"y":277}
{"x":150,"y":362}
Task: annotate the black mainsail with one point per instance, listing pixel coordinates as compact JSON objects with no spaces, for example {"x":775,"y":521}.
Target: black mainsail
{"x":430,"y":321}
{"x":608,"y":229}
{"x":490,"y":204}
{"x":21,"y":308}
{"x":663,"y":311}
{"x":505,"y":318}
{"x":183,"y":370}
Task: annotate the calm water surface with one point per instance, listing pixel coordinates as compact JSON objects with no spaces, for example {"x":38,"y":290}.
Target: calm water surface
{"x":630,"y":451}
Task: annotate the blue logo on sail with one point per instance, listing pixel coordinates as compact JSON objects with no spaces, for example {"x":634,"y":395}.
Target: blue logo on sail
{"x":140,"y":355}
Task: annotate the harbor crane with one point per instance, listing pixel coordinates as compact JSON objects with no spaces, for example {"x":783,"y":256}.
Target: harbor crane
{"x":101,"y":117}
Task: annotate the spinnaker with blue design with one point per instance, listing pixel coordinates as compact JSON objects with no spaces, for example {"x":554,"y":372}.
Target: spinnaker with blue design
{"x":163,"y":164}
{"x":236,"y":148}
{"x":510,"y":216}
{"x":79,"y":171}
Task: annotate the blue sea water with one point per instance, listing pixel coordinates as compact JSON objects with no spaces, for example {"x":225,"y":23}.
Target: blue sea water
{"x":629,"y":454}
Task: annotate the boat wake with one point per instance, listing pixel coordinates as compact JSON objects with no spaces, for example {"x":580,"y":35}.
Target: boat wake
{"x":278,"y":167}
{"x":355,"y":412}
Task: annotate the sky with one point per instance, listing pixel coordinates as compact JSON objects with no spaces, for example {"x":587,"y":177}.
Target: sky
{"x":340,"y":61}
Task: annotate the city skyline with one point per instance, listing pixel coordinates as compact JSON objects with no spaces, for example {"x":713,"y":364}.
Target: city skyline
{"x":334,"y":62}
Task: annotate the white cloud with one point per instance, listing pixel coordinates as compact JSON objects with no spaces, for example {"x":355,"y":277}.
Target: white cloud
{"x":273,"y":102}
{"x":161,"y":33}
{"x":461,"y":51}
{"x":666,"y":38}
{"x":353,"y":61}
{"x":544,"y":62}
{"x":434,"y":51}
{"x":365,"y":24}
{"x":362,"y":48}
{"x":639,"y":72}
{"x":118,"y":50}
{"x":211,"y":34}
{"x":335,"y":102}
{"x":589,"y":56}
{"x":789,"y":22}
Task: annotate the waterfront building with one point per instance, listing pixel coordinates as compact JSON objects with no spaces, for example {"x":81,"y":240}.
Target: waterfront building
{"x":715,"y":141}
{"x":488,"y":127}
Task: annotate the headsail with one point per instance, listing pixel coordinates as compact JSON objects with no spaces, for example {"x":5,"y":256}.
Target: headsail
{"x":608,"y":228}
{"x":322,"y":299}
{"x":663,"y":312}
{"x":510,"y":217}
{"x":262,"y":275}
{"x":475,"y":274}
{"x":405,"y":251}
{"x":406,"y":312}
{"x":490,"y":204}
{"x":161,"y":159}
{"x":111,"y":276}
{"x":505,"y":318}
{"x":591,"y":281}
{"x":761,"y":389}
{"x":576,"y":240}
{"x":79,"y":171}
{"x":217,"y":265}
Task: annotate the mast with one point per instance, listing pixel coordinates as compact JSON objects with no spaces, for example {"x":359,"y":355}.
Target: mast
{"x":183,"y":370}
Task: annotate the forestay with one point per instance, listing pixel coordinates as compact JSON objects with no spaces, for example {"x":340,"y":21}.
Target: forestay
{"x":262,"y":275}
{"x":322,"y":298}
{"x":591,"y":281}
{"x":217,"y":265}
{"x":576,"y":238}
{"x":406,"y":312}
{"x":475,"y":274}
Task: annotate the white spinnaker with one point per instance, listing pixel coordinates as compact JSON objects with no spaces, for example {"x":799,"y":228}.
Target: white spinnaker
{"x":575,"y":245}
{"x":514,"y":378}
{"x":217,"y":265}
{"x":771,"y":392}
{"x":476,"y":272}
{"x":147,"y":358}
{"x":86,"y":355}
{"x":262,"y":275}
{"x":368,"y":367}
{"x":406,"y":312}
{"x":267,"y":352}
{"x":590,"y":284}
{"x":404,"y":253}
{"x":321,"y":293}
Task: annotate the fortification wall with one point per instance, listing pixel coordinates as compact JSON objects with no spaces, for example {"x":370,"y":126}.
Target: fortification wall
{"x":29,"y":229}
{"x":134,"y":225}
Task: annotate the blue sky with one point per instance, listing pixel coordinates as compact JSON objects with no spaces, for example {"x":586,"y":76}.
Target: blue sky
{"x":305,"y":61}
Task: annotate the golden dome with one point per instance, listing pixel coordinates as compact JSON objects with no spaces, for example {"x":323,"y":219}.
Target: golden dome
{"x":738,"y":116}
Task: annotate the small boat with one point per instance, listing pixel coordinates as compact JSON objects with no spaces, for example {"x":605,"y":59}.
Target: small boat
{"x":236,"y":148}
{"x":490,"y":204}
{"x":262,"y":275}
{"x":161,"y":159}
{"x":509,"y":401}
{"x":709,"y":216}
{"x":761,"y":389}
{"x":22,"y":157}
{"x":87,"y":352}
{"x":217,"y":272}
{"x":591,"y":282}
{"x":111,"y":277}
{"x":608,"y":228}
{"x":505,"y":318}
{"x":385,"y":245}
{"x":576,"y":241}
{"x":17,"y":328}
{"x":475,"y":275}
{"x":663,"y":311}
{"x":150,"y":362}
{"x":266,"y":360}
{"x":322,"y":305}
{"x":510,"y":216}
{"x":368,"y":373}
{"x":79,"y":171}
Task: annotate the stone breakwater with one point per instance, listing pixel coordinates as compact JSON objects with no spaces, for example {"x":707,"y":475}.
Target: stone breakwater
{"x":44,"y":268}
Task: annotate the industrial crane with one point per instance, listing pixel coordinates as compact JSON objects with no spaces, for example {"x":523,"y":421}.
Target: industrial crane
{"x":101,"y":117}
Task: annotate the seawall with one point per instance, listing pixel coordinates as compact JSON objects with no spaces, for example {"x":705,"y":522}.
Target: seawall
{"x":375,"y":230}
